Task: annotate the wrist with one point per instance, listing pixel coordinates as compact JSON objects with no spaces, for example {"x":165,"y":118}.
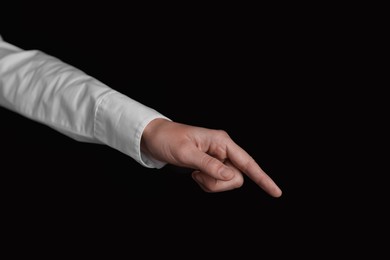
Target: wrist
{"x":151,"y":131}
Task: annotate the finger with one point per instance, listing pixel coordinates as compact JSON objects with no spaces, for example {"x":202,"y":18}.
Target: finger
{"x":243,"y":161}
{"x":209,"y":165}
{"x":210,"y":184}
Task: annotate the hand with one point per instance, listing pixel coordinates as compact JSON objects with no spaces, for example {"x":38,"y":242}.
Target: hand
{"x":218,"y":162}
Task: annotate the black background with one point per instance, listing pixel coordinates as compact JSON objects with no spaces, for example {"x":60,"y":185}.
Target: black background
{"x":278,"y":84}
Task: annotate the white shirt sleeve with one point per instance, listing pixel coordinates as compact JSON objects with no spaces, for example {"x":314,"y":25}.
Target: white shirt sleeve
{"x":45,"y":89}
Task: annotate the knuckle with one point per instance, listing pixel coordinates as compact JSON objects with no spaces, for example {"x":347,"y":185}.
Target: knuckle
{"x":222,"y":134}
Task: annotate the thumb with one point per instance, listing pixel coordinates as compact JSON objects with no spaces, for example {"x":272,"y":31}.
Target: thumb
{"x":210,"y":165}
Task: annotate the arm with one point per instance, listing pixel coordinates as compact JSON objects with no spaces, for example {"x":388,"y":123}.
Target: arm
{"x":45,"y":89}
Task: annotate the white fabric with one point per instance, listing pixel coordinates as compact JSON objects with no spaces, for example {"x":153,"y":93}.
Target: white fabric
{"x":45,"y":89}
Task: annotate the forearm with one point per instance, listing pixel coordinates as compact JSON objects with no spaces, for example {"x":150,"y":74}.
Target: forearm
{"x":45,"y":89}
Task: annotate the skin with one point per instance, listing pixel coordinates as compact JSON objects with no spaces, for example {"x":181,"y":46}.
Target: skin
{"x":218,"y":162}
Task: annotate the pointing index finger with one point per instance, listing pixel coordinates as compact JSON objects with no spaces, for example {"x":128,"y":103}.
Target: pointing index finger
{"x":243,"y":161}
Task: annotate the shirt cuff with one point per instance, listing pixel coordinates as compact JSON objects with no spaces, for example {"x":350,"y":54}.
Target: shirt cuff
{"x":120,"y":122}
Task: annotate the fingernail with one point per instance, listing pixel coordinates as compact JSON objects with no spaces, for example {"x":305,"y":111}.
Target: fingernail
{"x":227,"y":173}
{"x":198,"y":178}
